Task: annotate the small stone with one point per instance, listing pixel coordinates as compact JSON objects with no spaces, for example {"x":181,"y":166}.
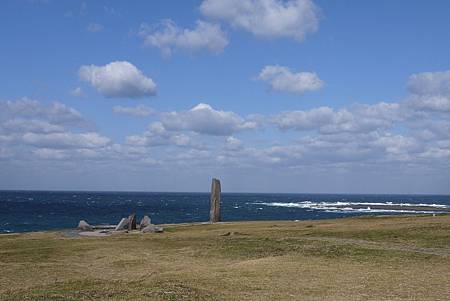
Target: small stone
{"x":122,"y":225}
{"x":145,"y":221}
{"x":152,"y":229}
{"x":84,"y":226}
{"x":132,"y":222}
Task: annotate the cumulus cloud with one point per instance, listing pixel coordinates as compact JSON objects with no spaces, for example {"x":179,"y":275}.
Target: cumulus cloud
{"x":410,"y":133}
{"x":75,"y":155}
{"x":437,"y":103}
{"x":281,"y":78}
{"x":396,"y":144}
{"x":167,"y":36}
{"x":304,"y":120}
{"x":55,"y":131}
{"x":157,"y":135}
{"x":119,"y":79}
{"x":391,"y":138}
{"x":18,"y":125}
{"x":430,"y":83}
{"x":203,"y":119}
{"x":56,"y":113}
{"x":430,"y":91}
{"x":233,"y":143}
{"x":266,"y":18}
{"x":360,"y":118}
{"x":140,"y":110}
{"x":49,"y":154}
{"x":67,"y":139}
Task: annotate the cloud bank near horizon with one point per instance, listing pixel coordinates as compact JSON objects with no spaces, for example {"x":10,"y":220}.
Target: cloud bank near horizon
{"x":412,"y":136}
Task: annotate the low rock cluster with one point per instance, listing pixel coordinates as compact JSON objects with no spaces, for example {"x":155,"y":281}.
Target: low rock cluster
{"x":125,"y":224}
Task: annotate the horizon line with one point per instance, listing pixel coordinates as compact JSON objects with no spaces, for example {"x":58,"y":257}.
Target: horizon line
{"x":223,"y":192}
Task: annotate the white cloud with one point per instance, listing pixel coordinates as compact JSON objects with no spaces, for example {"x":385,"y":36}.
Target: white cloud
{"x":360,"y":118}
{"x":18,"y":125}
{"x":432,"y":129}
{"x":140,"y":110}
{"x":94,"y":27}
{"x":304,"y":120}
{"x":266,"y":18}
{"x":168,"y":37}
{"x":203,"y":119}
{"x":232,"y":143}
{"x":281,"y":78}
{"x":56,"y":113}
{"x":396,"y":144}
{"x":430,"y":103}
{"x":385,"y":139}
{"x":66,"y":140}
{"x":157,"y":135}
{"x":31,"y":130}
{"x":430,"y":91}
{"x":430,"y":83}
{"x":119,"y":79}
{"x":50,"y":154}
{"x":436,"y":153}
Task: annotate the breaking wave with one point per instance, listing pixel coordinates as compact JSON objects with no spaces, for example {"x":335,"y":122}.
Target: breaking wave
{"x":367,"y":207}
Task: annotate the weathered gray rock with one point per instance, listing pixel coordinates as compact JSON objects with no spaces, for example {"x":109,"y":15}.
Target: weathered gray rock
{"x":122,"y":225}
{"x":214,"y":212}
{"x":84,"y":226}
{"x":132,"y":222}
{"x":145,"y":221}
{"x":152,"y":229}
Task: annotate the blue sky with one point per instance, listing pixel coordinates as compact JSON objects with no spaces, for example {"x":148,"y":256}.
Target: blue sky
{"x":268,"y":95}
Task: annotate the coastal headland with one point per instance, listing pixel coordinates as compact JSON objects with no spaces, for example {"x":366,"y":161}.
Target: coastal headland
{"x":364,"y":258}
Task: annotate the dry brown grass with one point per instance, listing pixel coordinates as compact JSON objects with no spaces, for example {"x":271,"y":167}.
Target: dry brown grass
{"x":372,"y":258}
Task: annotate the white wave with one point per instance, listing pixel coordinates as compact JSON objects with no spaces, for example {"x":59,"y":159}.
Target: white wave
{"x":369,"y":210}
{"x":346,"y":207}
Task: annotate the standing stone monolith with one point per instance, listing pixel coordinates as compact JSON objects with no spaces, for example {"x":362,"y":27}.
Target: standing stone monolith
{"x":132,"y":222}
{"x":214,"y":212}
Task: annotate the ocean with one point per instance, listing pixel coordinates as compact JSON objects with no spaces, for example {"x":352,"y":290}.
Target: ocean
{"x":22,"y":211}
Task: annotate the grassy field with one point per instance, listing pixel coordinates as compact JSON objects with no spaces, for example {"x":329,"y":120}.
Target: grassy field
{"x":370,"y":258}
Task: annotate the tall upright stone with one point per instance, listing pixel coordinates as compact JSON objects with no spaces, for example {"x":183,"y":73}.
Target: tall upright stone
{"x":214,"y":212}
{"x":132,"y":221}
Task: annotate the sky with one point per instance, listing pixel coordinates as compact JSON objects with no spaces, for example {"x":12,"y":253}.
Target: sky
{"x":307,"y":96}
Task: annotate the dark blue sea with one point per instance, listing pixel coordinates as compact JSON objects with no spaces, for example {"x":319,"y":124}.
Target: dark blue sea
{"x":22,"y":211}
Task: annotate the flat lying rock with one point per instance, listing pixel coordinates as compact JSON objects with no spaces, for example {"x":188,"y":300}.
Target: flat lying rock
{"x":84,"y":226}
{"x":122,"y":225}
{"x":145,"y":221}
{"x":152,"y":229}
{"x":94,"y":233}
